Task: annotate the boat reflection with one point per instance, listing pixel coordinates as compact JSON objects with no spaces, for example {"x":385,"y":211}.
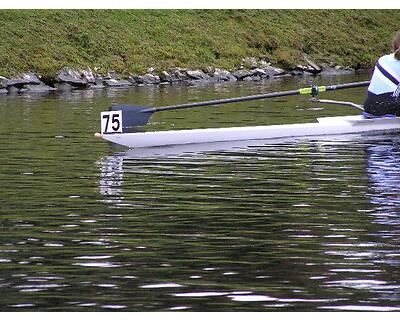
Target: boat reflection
{"x":382,"y":167}
{"x":111,"y":178}
{"x":383,"y":172}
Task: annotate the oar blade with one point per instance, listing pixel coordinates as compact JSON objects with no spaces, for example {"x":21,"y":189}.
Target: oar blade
{"x":132,"y":116}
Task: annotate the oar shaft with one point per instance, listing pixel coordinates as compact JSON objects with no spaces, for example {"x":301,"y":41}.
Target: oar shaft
{"x":224,"y":101}
{"x":257,"y":97}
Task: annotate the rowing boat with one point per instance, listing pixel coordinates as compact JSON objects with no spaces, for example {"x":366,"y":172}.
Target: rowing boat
{"x":324,"y":126}
{"x":117,"y":123}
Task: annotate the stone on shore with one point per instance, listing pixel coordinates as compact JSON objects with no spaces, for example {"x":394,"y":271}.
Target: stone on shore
{"x":88,"y":75}
{"x":36,"y":88}
{"x":252,"y":78}
{"x":117,"y":83}
{"x":13,"y":90}
{"x":148,"y":79}
{"x":256,"y":70}
{"x":242,"y":74}
{"x":72,"y":77}
{"x":175,"y":75}
{"x":310,"y":66}
{"x":19,"y":82}
{"x":197,"y":75}
{"x":179,"y":75}
{"x":223,"y":75}
{"x":337,"y":70}
{"x":63,"y":86}
{"x":3,"y":82}
{"x":273,"y":71}
{"x":112,"y":79}
{"x":96,"y":85}
{"x":250,"y":62}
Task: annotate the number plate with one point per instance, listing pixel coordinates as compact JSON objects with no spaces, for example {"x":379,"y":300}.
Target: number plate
{"x":111,"y":122}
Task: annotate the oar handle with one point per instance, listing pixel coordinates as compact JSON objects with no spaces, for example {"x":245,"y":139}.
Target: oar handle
{"x":348,"y":85}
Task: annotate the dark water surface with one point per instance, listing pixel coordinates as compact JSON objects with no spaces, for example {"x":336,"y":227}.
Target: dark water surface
{"x":304,"y":225}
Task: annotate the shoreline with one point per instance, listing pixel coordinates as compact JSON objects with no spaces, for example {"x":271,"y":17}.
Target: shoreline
{"x":69,"y":79}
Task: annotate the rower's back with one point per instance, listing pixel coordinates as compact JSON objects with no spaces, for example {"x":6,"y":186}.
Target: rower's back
{"x":384,"y":89}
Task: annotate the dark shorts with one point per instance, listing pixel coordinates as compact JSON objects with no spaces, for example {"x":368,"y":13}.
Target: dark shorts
{"x":382,"y":104}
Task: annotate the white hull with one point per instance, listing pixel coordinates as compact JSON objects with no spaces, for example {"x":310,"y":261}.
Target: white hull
{"x":324,"y":126}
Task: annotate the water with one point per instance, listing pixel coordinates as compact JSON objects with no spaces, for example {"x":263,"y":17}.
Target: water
{"x":302,"y":225}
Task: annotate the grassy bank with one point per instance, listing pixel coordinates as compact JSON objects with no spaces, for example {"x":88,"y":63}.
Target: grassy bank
{"x":130,"y":41}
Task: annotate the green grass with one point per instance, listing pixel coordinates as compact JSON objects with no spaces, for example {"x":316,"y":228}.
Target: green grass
{"x":130,"y":41}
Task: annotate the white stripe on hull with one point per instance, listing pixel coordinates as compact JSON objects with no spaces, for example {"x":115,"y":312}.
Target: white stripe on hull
{"x":324,"y":126}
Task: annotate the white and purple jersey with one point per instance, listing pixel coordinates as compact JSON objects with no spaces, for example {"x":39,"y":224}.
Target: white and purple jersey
{"x":386,"y":77}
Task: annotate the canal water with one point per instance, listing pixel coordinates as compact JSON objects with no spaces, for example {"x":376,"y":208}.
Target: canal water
{"x":298,"y":225}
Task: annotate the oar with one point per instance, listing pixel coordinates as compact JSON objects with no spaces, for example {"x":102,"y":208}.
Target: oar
{"x":140,"y":115}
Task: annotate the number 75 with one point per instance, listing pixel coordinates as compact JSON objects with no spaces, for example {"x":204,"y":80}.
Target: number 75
{"x":111,"y":122}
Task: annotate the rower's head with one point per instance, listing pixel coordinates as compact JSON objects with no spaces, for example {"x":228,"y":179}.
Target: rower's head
{"x":396,"y":45}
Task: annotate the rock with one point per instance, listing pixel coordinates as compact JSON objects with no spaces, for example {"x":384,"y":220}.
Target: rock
{"x":310,"y":66}
{"x":243,"y":73}
{"x":3,"y":91}
{"x":298,"y":71}
{"x":283,"y":75}
{"x":97,"y":85}
{"x":31,"y":78}
{"x":36,"y":88}
{"x":180,"y":74}
{"x":250,"y":62}
{"x":223,"y":75}
{"x":132,"y":79}
{"x":112,"y":79}
{"x":200,"y":82}
{"x":19,"y":82}
{"x":13,"y":90}
{"x":150,"y":79}
{"x":264,"y":63}
{"x":3,"y":82}
{"x":337,"y":70}
{"x":88,"y":75}
{"x":98,"y":81}
{"x":63,"y":86}
{"x":72,"y":77}
{"x":197,"y":75}
{"x":176,"y":75}
{"x":147,"y":79}
{"x":165,"y":77}
{"x":273,"y":71}
{"x":261,"y":73}
{"x":117,"y":83}
{"x":112,"y":75}
{"x":209,"y":71}
{"x":252,"y":78}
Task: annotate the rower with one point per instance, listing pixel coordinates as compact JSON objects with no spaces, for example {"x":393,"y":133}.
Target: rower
{"x":384,"y":89}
